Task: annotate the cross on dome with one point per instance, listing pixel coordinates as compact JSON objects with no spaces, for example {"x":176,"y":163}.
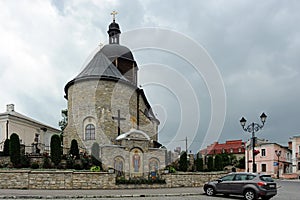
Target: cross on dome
{"x":114,"y":13}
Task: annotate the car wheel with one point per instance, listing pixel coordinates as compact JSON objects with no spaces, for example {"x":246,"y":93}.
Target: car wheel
{"x":210,"y":191}
{"x":250,"y":195}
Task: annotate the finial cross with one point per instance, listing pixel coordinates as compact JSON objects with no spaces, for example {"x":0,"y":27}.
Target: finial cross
{"x":114,"y":13}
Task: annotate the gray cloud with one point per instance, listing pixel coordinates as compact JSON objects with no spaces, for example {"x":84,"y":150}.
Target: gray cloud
{"x":255,"y":45}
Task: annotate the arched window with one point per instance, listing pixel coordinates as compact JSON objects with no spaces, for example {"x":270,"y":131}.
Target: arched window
{"x":90,"y":132}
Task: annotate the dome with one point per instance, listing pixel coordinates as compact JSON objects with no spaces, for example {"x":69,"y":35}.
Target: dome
{"x":113,"y":51}
{"x":100,"y":67}
{"x":114,"y":26}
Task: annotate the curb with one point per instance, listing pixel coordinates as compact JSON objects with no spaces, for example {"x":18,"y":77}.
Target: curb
{"x":96,"y":196}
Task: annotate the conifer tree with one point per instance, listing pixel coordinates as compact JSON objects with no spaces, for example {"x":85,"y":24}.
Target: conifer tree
{"x":55,"y":150}
{"x":183,"y":163}
{"x":6,"y":148}
{"x":74,"y":151}
{"x":14,"y":150}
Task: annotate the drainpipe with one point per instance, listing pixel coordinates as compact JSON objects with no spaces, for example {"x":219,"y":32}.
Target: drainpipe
{"x":7,"y":129}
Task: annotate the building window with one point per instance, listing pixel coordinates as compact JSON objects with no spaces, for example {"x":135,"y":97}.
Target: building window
{"x":240,"y":150}
{"x":231,"y":150}
{"x":90,"y":132}
{"x":223,"y":151}
{"x":263,"y":167}
{"x":263,"y":152}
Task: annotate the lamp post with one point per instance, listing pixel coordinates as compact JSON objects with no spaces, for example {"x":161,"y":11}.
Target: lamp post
{"x":253,"y":128}
{"x":278,"y":153}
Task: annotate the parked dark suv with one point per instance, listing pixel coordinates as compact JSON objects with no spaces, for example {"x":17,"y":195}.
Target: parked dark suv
{"x":250,"y":185}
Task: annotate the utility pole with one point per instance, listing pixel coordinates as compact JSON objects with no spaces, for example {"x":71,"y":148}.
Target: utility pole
{"x":186,"y":147}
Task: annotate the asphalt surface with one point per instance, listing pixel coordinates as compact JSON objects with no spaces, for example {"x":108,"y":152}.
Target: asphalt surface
{"x":96,"y":194}
{"x":287,"y":190}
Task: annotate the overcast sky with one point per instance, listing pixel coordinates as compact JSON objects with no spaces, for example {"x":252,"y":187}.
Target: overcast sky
{"x":255,"y":46}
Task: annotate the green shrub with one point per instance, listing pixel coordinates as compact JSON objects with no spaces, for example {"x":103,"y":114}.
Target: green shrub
{"x":139,"y":181}
{"x":95,"y":169}
{"x":171,"y":169}
{"x":74,"y":151}
{"x":25,"y":161}
{"x":56,"y":150}
{"x":210,"y":163}
{"x":35,"y":165}
{"x":6,"y":148}
{"x":218,"y":163}
{"x":46,"y":162}
{"x":183,"y":163}
{"x":14,"y":150}
{"x":78,"y":166}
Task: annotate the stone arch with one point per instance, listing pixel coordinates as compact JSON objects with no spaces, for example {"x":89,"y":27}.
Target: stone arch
{"x":154,"y":164}
{"x":89,"y":128}
{"x":119,"y":165}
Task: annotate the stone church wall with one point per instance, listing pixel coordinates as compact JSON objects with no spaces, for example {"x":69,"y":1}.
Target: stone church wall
{"x":99,"y":101}
{"x":26,"y":179}
{"x":152,"y":153}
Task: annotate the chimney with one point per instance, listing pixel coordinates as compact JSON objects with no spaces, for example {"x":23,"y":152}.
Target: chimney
{"x":290,"y":145}
{"x":10,"y":107}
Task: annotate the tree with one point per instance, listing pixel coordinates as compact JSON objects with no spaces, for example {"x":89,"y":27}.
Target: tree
{"x":63,"y":123}
{"x":183,"y":163}
{"x":225,"y":159}
{"x":232,"y":159}
{"x":199,"y":163}
{"x":14,"y":150}
{"x":218,"y":163}
{"x":210,"y":163}
{"x":74,"y":151}
{"x":241,"y":163}
{"x":55,"y":150}
{"x":6,"y":147}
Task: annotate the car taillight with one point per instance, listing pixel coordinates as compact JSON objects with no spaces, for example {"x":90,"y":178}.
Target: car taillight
{"x":261,"y":183}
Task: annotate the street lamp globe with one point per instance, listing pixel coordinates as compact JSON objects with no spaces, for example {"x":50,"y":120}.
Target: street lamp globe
{"x":243,"y":122}
{"x":263,"y":118}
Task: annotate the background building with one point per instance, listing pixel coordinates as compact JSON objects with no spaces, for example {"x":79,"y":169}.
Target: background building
{"x":34,"y":135}
{"x":295,"y":146}
{"x":234,"y":147}
{"x":267,"y":160}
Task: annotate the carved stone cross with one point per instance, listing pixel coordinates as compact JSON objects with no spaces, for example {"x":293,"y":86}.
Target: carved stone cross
{"x":119,"y":118}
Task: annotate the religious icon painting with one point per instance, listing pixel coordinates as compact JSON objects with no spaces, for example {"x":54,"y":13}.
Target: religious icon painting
{"x":153,"y":164}
{"x":119,"y":165}
{"x":136,"y":167}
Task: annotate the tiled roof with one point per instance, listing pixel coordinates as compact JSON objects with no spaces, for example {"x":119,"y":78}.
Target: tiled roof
{"x":231,"y":146}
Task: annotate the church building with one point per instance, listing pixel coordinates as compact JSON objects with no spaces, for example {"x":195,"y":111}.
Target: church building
{"x":107,"y":110}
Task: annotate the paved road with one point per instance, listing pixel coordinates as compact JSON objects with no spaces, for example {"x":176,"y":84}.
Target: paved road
{"x":288,"y":190}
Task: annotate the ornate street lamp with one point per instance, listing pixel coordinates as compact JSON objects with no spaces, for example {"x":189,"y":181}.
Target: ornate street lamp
{"x":253,"y":128}
{"x":278,"y":153}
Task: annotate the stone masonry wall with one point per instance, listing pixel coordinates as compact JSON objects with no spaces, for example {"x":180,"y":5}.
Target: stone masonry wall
{"x":190,"y":179}
{"x":26,"y":179}
{"x":99,"y":101}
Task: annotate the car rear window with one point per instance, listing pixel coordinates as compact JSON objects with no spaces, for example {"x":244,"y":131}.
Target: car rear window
{"x":266,"y":178}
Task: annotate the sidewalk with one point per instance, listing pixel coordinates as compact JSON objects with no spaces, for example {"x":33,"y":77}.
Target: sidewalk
{"x":81,"y":194}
